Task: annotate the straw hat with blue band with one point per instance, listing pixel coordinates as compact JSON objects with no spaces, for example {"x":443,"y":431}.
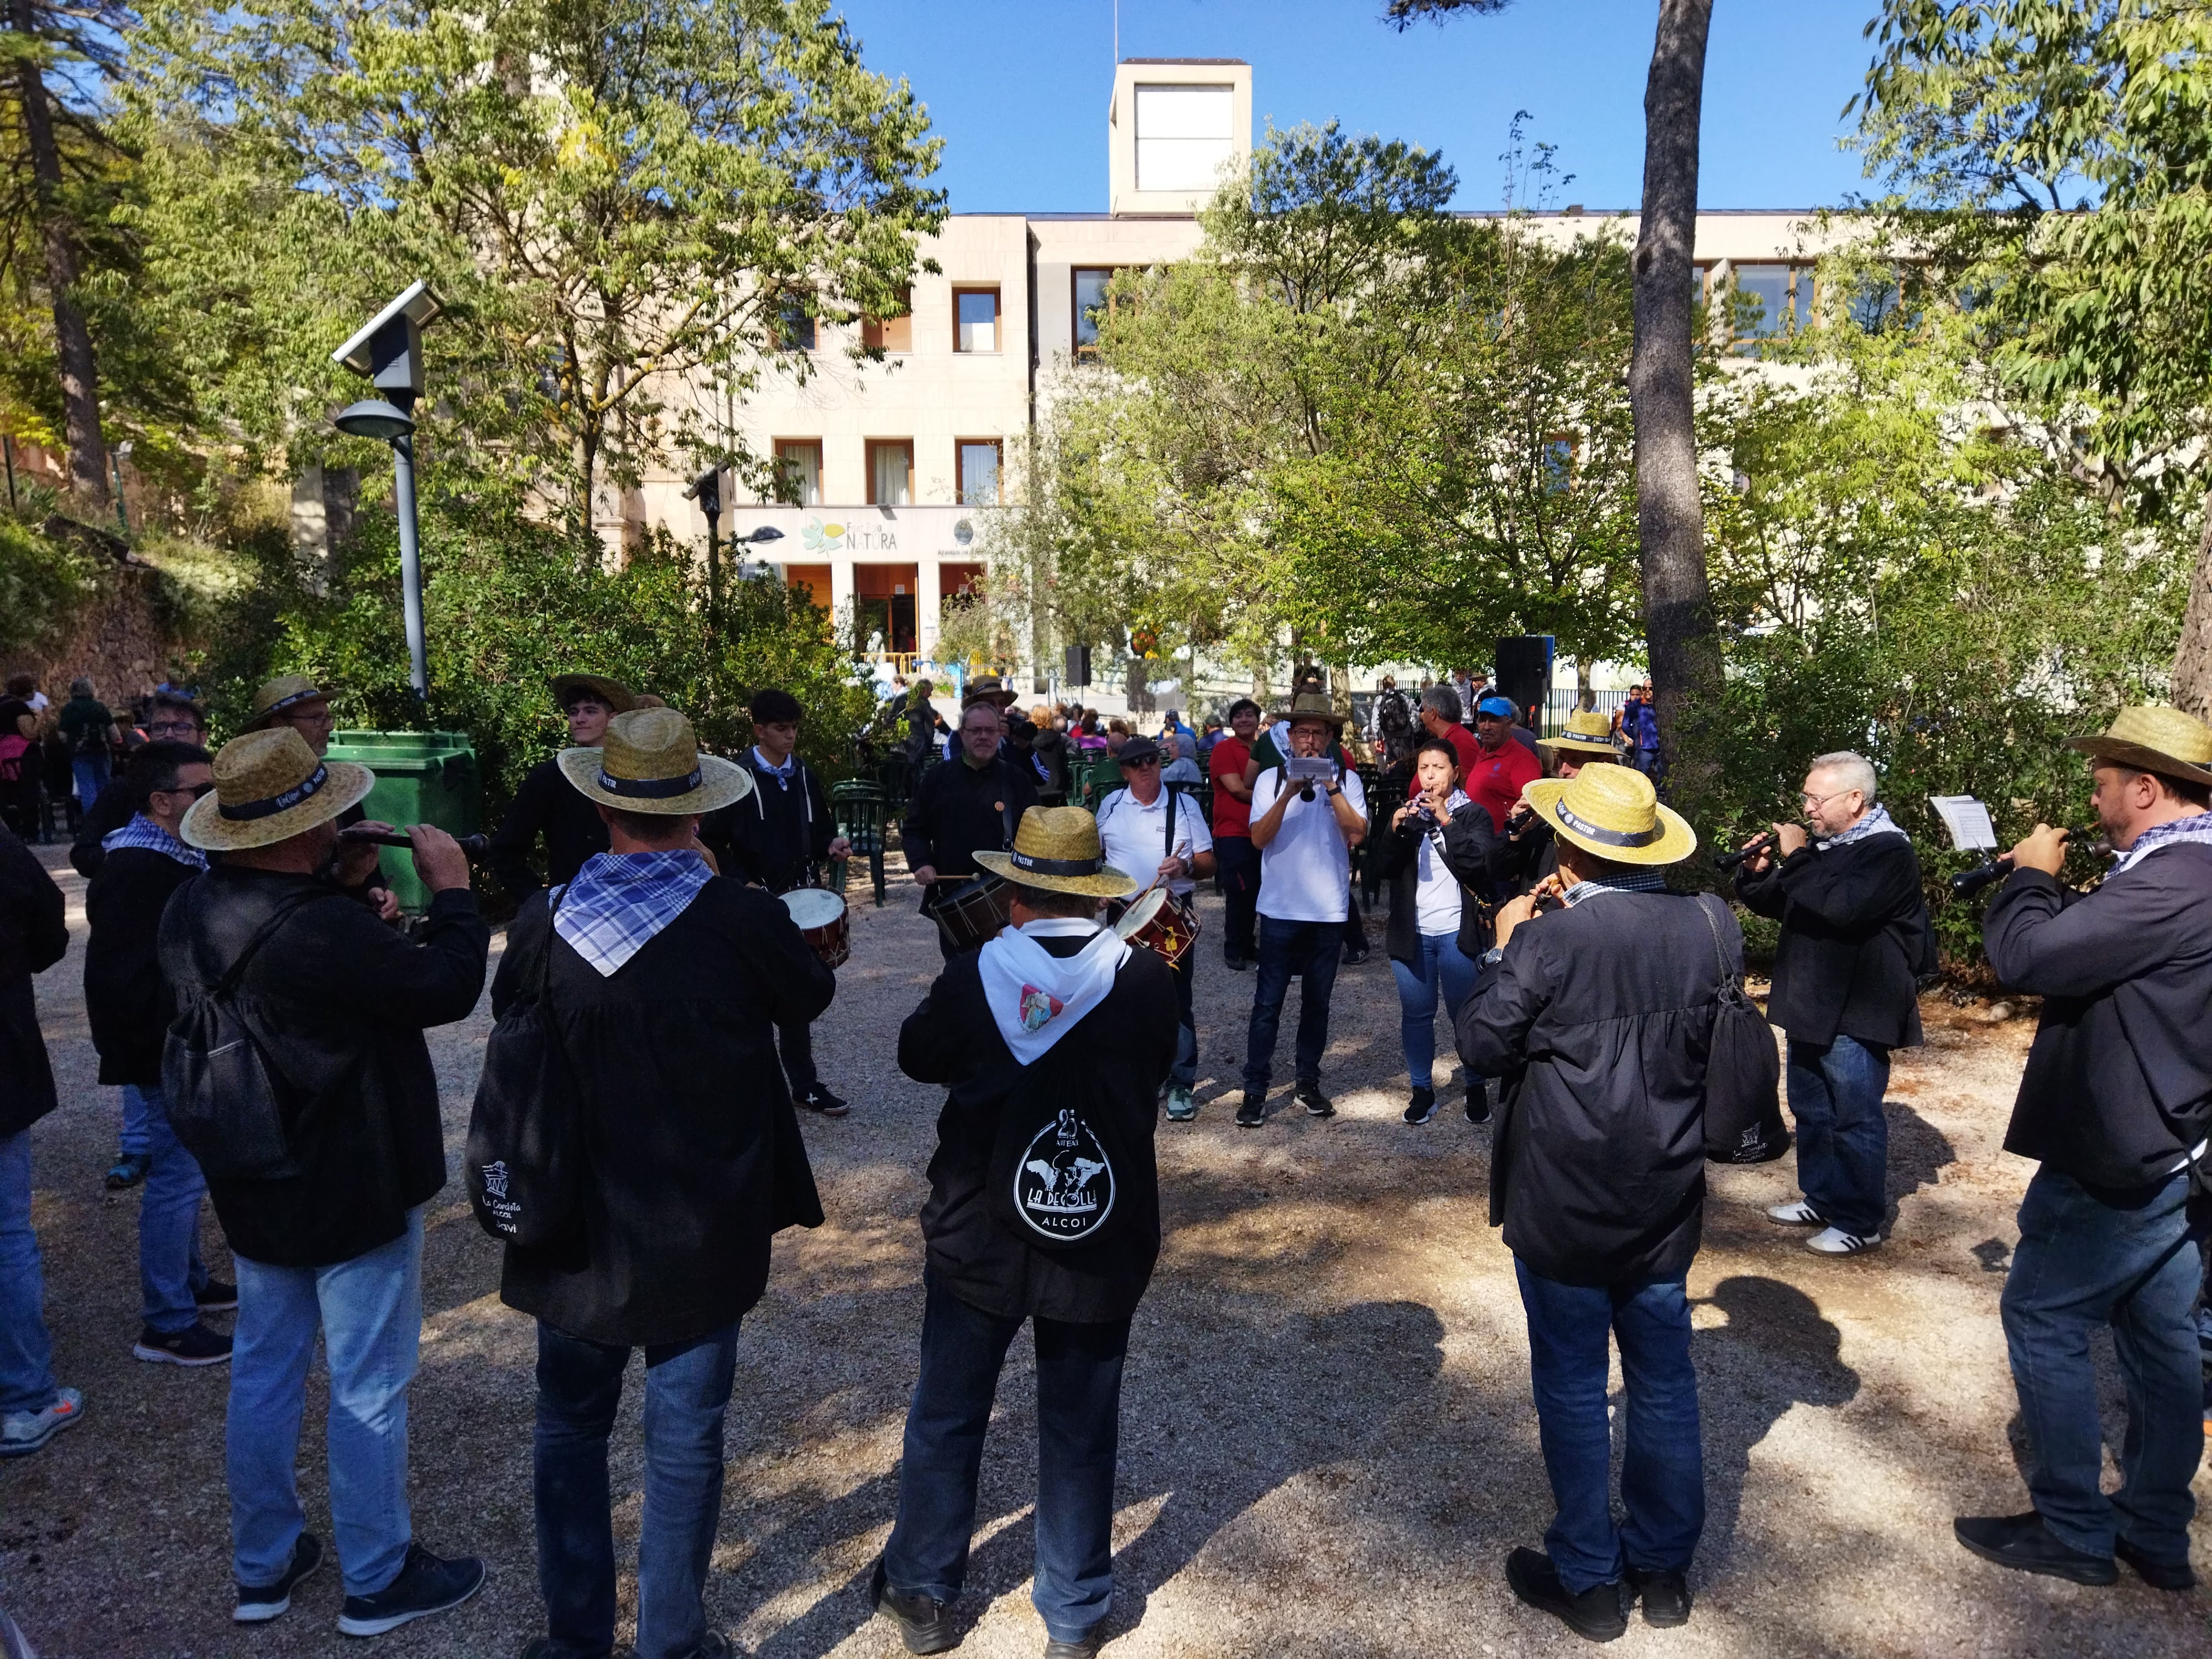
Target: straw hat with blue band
{"x":649,"y":761}
{"x":1587,"y":736}
{"x":1612,"y":811}
{"x":272,"y":697}
{"x":269,"y":786}
{"x":1057,"y":848}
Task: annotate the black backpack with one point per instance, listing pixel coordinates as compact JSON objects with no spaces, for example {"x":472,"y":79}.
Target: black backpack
{"x":1743,"y":1075}
{"x":524,"y":1162}
{"x":219,"y":1089}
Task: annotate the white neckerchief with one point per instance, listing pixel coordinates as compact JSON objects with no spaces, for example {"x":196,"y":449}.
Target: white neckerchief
{"x":1036,"y":997}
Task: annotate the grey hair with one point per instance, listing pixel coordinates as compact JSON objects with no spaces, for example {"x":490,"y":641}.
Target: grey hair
{"x":80,"y":687}
{"x":1852,"y":769}
{"x":1442,"y":701}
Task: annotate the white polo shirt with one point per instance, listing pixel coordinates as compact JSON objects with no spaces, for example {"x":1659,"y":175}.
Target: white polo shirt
{"x":1135,"y":836}
{"x":1305,"y":872}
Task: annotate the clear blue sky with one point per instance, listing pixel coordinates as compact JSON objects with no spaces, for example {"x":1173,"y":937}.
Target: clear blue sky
{"x":1019,"y":89}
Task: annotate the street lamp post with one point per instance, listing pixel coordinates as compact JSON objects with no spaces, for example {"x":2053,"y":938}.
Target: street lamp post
{"x":706,"y":491}
{"x":388,"y":353}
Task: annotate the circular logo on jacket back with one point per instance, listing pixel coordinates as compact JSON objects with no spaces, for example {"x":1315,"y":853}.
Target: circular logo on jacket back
{"x":1064,"y":1184}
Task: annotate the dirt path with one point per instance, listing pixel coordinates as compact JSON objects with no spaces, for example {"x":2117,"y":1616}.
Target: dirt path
{"x":1328,"y":1440}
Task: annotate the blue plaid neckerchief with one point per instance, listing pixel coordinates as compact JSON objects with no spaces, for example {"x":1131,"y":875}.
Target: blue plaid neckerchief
{"x":783,"y":774}
{"x":142,"y":831}
{"x":1875,"y":821}
{"x":2198,"y":828}
{"x":1640,"y":881}
{"x":619,"y":900}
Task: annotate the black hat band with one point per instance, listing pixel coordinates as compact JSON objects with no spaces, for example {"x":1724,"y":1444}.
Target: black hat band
{"x":1610,"y":837}
{"x":1037,"y":867}
{"x":650,"y":788}
{"x":276,"y":804}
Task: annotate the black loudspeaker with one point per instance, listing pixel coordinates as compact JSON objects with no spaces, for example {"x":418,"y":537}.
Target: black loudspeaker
{"x":1524,"y":674}
{"x":1079,"y":664}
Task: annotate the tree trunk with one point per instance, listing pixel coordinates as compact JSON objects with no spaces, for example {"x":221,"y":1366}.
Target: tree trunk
{"x":88,"y":451}
{"x":1678,"y":619}
{"x":2192,"y":656}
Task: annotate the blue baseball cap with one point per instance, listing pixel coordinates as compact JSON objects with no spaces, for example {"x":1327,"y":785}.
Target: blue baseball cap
{"x":1502,"y":706}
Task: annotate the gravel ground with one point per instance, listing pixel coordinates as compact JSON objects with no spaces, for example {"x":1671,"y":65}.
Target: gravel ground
{"x":1327,"y":1441}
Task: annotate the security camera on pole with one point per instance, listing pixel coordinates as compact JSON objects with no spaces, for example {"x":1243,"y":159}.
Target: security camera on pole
{"x":388,"y":353}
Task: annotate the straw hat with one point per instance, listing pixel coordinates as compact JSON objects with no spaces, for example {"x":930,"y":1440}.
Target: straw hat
{"x":1612,"y":811}
{"x":1309,"y":706}
{"x":279,"y":694}
{"x":987,"y":688}
{"x":1057,"y":848}
{"x":270,"y":786}
{"x":1588,"y":737}
{"x":617,"y":696}
{"x":650,"y":762}
{"x":2154,"y":739}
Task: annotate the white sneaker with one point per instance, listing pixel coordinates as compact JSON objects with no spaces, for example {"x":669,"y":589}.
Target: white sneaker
{"x":1795,"y":1213}
{"x":1834,"y":1241}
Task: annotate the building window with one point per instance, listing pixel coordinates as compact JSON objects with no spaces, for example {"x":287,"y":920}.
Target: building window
{"x":978,"y":471}
{"x":794,"y":323}
{"x":1701,"y":285}
{"x":800,"y":461}
{"x":975,"y":319}
{"x":883,"y":608}
{"x":1093,"y":303}
{"x":1770,"y":301}
{"x":810,"y":582}
{"x":1183,"y":136}
{"x":890,"y":471}
{"x":891,"y":333}
{"x":958,"y":585}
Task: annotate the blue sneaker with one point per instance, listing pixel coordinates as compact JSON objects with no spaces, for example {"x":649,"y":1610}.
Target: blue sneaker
{"x":22,"y":1433}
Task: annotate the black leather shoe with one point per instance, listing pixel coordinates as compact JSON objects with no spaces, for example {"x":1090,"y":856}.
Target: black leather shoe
{"x":1085,"y":1646}
{"x":1597,"y":1614}
{"x":2159,"y":1575}
{"x":925,"y":1623}
{"x":1665,"y":1596}
{"x":1252,"y":1111}
{"x":2023,"y":1543}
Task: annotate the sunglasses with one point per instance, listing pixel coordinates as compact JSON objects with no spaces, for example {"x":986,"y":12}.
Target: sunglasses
{"x":195,"y":792}
{"x":1149,"y":760}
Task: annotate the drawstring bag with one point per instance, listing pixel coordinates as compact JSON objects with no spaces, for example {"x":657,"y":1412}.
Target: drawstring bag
{"x":525,"y":1163}
{"x":1743,"y":1076}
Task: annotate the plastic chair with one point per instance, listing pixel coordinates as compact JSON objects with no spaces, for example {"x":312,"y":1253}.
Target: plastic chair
{"x":862,"y":815}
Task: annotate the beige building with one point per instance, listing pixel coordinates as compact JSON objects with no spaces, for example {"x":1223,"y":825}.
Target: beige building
{"x":898,"y":463}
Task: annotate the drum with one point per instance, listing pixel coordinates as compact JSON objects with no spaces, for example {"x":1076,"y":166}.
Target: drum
{"x":974,"y":913}
{"x":823,"y":922}
{"x":1163,"y":924}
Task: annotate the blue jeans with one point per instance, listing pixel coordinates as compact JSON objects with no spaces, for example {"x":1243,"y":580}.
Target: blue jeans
{"x":1441,"y":966}
{"x":27,"y":1353}
{"x":687,"y":1392}
{"x":1663,"y":1478}
{"x":1288,"y":949}
{"x":133,"y":1141}
{"x":369,"y":1311}
{"x":91,"y":773}
{"x":1842,"y":1138}
{"x":1079,"y":1384}
{"x":2083,"y":1263}
{"x":170,"y":1271}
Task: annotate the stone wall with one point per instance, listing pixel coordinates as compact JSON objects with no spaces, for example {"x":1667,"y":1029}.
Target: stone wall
{"x":117,"y":641}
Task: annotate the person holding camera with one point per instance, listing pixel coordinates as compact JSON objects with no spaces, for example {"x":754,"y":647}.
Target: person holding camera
{"x":1308,"y":814}
{"x":2115,"y":1105}
{"x":1845,"y":886}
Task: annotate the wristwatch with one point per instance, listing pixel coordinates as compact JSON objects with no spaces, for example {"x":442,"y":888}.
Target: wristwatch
{"x":1490,"y":958}
{"x":1335,"y":789}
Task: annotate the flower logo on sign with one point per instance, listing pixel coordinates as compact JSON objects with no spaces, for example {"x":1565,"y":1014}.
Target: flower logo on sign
{"x":819,"y":537}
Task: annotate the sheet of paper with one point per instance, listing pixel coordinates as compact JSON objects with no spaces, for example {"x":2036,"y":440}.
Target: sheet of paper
{"x":1968,"y":820}
{"x":1319,"y":767}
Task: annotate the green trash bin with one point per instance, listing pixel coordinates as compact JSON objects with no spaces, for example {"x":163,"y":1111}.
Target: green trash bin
{"x":421,"y":777}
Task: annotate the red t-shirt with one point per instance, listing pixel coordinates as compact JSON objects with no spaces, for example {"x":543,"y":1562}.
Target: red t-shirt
{"x":1463,"y":745}
{"x":1232,"y":817}
{"x":1496,"y":777}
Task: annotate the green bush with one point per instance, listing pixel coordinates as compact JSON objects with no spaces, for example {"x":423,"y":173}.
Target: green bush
{"x":42,"y":584}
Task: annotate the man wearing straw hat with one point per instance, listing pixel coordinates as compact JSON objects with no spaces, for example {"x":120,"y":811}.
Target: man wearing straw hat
{"x":337,"y":1003}
{"x":295,"y":701}
{"x":545,"y":805}
{"x":1599,"y":1017}
{"x":1527,"y":853}
{"x":2115,"y":1105}
{"x":666,"y":984}
{"x":1052,"y":1041}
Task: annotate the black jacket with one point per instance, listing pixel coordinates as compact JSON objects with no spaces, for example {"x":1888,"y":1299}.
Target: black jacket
{"x":34,"y":937}
{"x":1050,"y":747}
{"x":772,"y":835}
{"x":126,"y":1001}
{"x":951,"y":1039}
{"x":957,"y":810}
{"x":692,"y":1145}
{"x":1853,"y":928}
{"x":113,"y":807}
{"x":1521,"y":861}
{"x":548,"y":804}
{"x":338,"y":1002}
{"x":2118,"y":1084}
{"x":1470,"y":844}
{"x":1601,"y":1018}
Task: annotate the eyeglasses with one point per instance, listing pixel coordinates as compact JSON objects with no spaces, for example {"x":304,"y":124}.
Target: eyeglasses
{"x":171,"y":728}
{"x":1813,"y":803}
{"x":195,"y":792}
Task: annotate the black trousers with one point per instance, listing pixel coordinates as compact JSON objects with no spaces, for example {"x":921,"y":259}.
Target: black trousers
{"x":796,"y":1045}
{"x":1238,"y":862}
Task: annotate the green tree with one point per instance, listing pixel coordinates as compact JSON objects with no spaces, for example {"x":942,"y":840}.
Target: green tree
{"x":628,"y":206}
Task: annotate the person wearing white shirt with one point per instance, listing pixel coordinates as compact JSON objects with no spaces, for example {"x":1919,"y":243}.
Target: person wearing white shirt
{"x":1304,"y":827}
{"x":1149,"y":827}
